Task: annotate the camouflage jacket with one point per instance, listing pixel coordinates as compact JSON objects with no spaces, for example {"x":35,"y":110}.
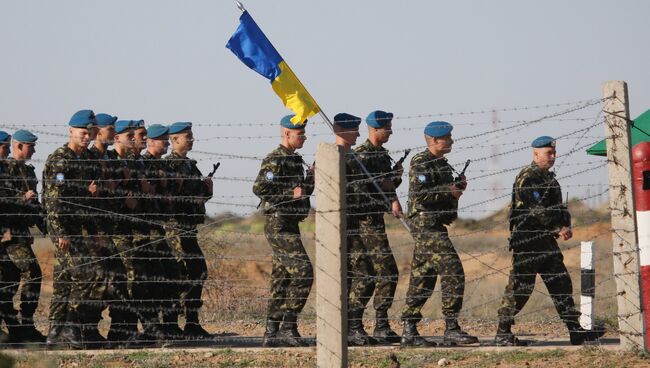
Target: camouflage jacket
{"x":19,"y":178}
{"x":188,"y":190}
{"x":537,"y":204}
{"x":156,"y":205}
{"x":281,"y":171}
{"x":429,"y":193}
{"x":355,"y":190}
{"x":65,"y":192}
{"x":123,"y":172}
{"x":379,"y":165}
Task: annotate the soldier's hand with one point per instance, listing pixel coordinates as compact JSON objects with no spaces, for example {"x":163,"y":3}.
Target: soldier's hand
{"x":311,"y":170}
{"x":299,"y":192}
{"x":455,"y":191}
{"x":131,"y":203}
{"x":64,"y":244}
{"x":92,"y":188}
{"x":30,"y":195}
{"x":399,"y":169}
{"x":396,"y":209}
{"x":566,"y":233}
{"x":462,"y":184}
{"x":209,"y":183}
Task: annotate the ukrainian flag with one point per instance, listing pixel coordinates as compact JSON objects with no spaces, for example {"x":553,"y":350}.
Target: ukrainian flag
{"x":256,"y":51}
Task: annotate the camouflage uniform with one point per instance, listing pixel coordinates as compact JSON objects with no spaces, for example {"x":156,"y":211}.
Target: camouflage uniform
{"x":20,"y":178}
{"x":9,"y":273}
{"x":292,"y":273}
{"x":360,"y":277}
{"x":66,"y":196}
{"x":372,"y":228}
{"x":431,"y":208}
{"x":537,"y":214}
{"x":189,"y":194}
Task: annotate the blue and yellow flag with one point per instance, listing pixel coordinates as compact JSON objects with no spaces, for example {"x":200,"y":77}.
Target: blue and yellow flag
{"x":256,"y":51}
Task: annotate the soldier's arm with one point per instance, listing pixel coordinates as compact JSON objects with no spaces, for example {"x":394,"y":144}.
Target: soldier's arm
{"x":532,"y":208}
{"x":54,"y":195}
{"x":269,"y":186}
{"x":425,"y":185}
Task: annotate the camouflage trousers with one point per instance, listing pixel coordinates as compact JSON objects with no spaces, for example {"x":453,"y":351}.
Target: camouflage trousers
{"x":360,"y":275}
{"x":434,"y":256}
{"x":9,"y":278}
{"x":139,"y":255}
{"x":78,"y":288}
{"x":193,"y":270}
{"x":372,"y":231}
{"x":543,"y":257}
{"x":292,"y":275}
{"x":23,"y":257}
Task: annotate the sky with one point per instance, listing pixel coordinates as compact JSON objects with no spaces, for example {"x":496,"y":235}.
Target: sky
{"x":165,"y":61}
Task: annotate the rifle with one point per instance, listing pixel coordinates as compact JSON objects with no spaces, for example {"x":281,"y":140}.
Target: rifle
{"x":458,"y":179}
{"x":214,"y":169}
{"x":401,"y":159}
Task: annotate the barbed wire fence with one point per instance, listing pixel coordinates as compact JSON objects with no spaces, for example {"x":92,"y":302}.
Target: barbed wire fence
{"x":236,"y":290}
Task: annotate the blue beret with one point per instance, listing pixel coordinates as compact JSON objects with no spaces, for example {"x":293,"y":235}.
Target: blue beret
{"x":156,"y":131}
{"x":378,"y":118}
{"x":347,"y":121}
{"x":122,"y":126}
{"x":286,"y":123}
{"x":24,"y":136}
{"x":438,"y":129}
{"x":543,"y":141}
{"x":104,"y":120}
{"x":179,"y":127}
{"x":137,"y":123}
{"x":4,"y":137}
{"x":82,"y":119}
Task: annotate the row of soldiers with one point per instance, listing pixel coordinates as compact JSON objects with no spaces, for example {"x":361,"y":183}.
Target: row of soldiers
{"x":124,"y":224}
{"x":537,"y":218}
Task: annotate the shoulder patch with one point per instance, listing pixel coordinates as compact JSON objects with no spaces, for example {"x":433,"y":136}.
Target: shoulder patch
{"x":269,"y":175}
{"x":537,"y":196}
{"x":422,"y":178}
{"x":60,"y":177}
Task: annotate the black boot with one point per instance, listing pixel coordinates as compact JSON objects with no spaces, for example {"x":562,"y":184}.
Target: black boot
{"x":288,"y":335}
{"x":193,"y":329}
{"x":29,"y":333}
{"x":64,"y":336}
{"x":383,"y":333}
{"x":170,"y":328}
{"x":270,"y":335}
{"x":357,"y":335}
{"x":454,"y":335}
{"x":505,"y":337}
{"x":411,"y":336}
{"x":579,"y":335}
{"x":92,"y":339}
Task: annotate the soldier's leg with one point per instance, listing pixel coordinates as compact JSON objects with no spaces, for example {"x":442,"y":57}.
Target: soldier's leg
{"x":9,"y":282}
{"x":170,"y":289}
{"x":125,"y":324}
{"x":373,"y":235}
{"x":558,"y":282}
{"x":197,"y":271}
{"x":24,"y":258}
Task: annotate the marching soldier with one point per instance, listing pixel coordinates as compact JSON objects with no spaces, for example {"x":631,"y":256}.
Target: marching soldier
{"x":284,"y":192}
{"x":67,"y":190}
{"x":9,"y":273}
{"x":17,"y":240}
{"x":360,"y":271}
{"x":433,"y":205}
{"x":537,"y":218}
{"x":156,"y":207}
{"x":189,"y":191}
{"x":372,"y":228}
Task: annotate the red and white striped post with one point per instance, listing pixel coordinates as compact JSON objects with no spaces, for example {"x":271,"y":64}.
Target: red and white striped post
{"x":641,"y":172}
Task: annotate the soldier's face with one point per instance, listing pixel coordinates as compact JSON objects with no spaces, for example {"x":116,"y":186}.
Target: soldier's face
{"x":93,"y":132}
{"x":4,"y":150}
{"x":23,"y":151}
{"x":183,"y":142}
{"x":383,"y":134}
{"x":106,"y":134}
{"x":544,"y":157}
{"x":348,"y":136}
{"x":440,"y":145}
{"x":125,"y":139}
{"x":295,"y":138}
{"x":80,"y":136}
{"x":158,"y":146}
{"x":140,"y":139}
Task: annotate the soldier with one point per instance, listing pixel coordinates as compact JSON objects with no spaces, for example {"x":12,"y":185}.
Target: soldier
{"x":157,"y":211}
{"x":537,"y":218}
{"x":17,"y":240}
{"x":360,"y":272}
{"x":372,"y":228}
{"x":189,"y":191}
{"x":9,"y":273}
{"x":67,"y":190}
{"x":284,"y":192}
{"x":433,"y":205}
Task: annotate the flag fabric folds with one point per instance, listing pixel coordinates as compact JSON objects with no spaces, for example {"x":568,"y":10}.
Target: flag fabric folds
{"x":255,"y":50}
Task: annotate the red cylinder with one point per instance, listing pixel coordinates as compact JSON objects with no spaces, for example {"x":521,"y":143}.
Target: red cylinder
{"x":641,"y":176}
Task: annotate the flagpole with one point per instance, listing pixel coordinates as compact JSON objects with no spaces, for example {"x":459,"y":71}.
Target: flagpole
{"x":327,"y":120}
